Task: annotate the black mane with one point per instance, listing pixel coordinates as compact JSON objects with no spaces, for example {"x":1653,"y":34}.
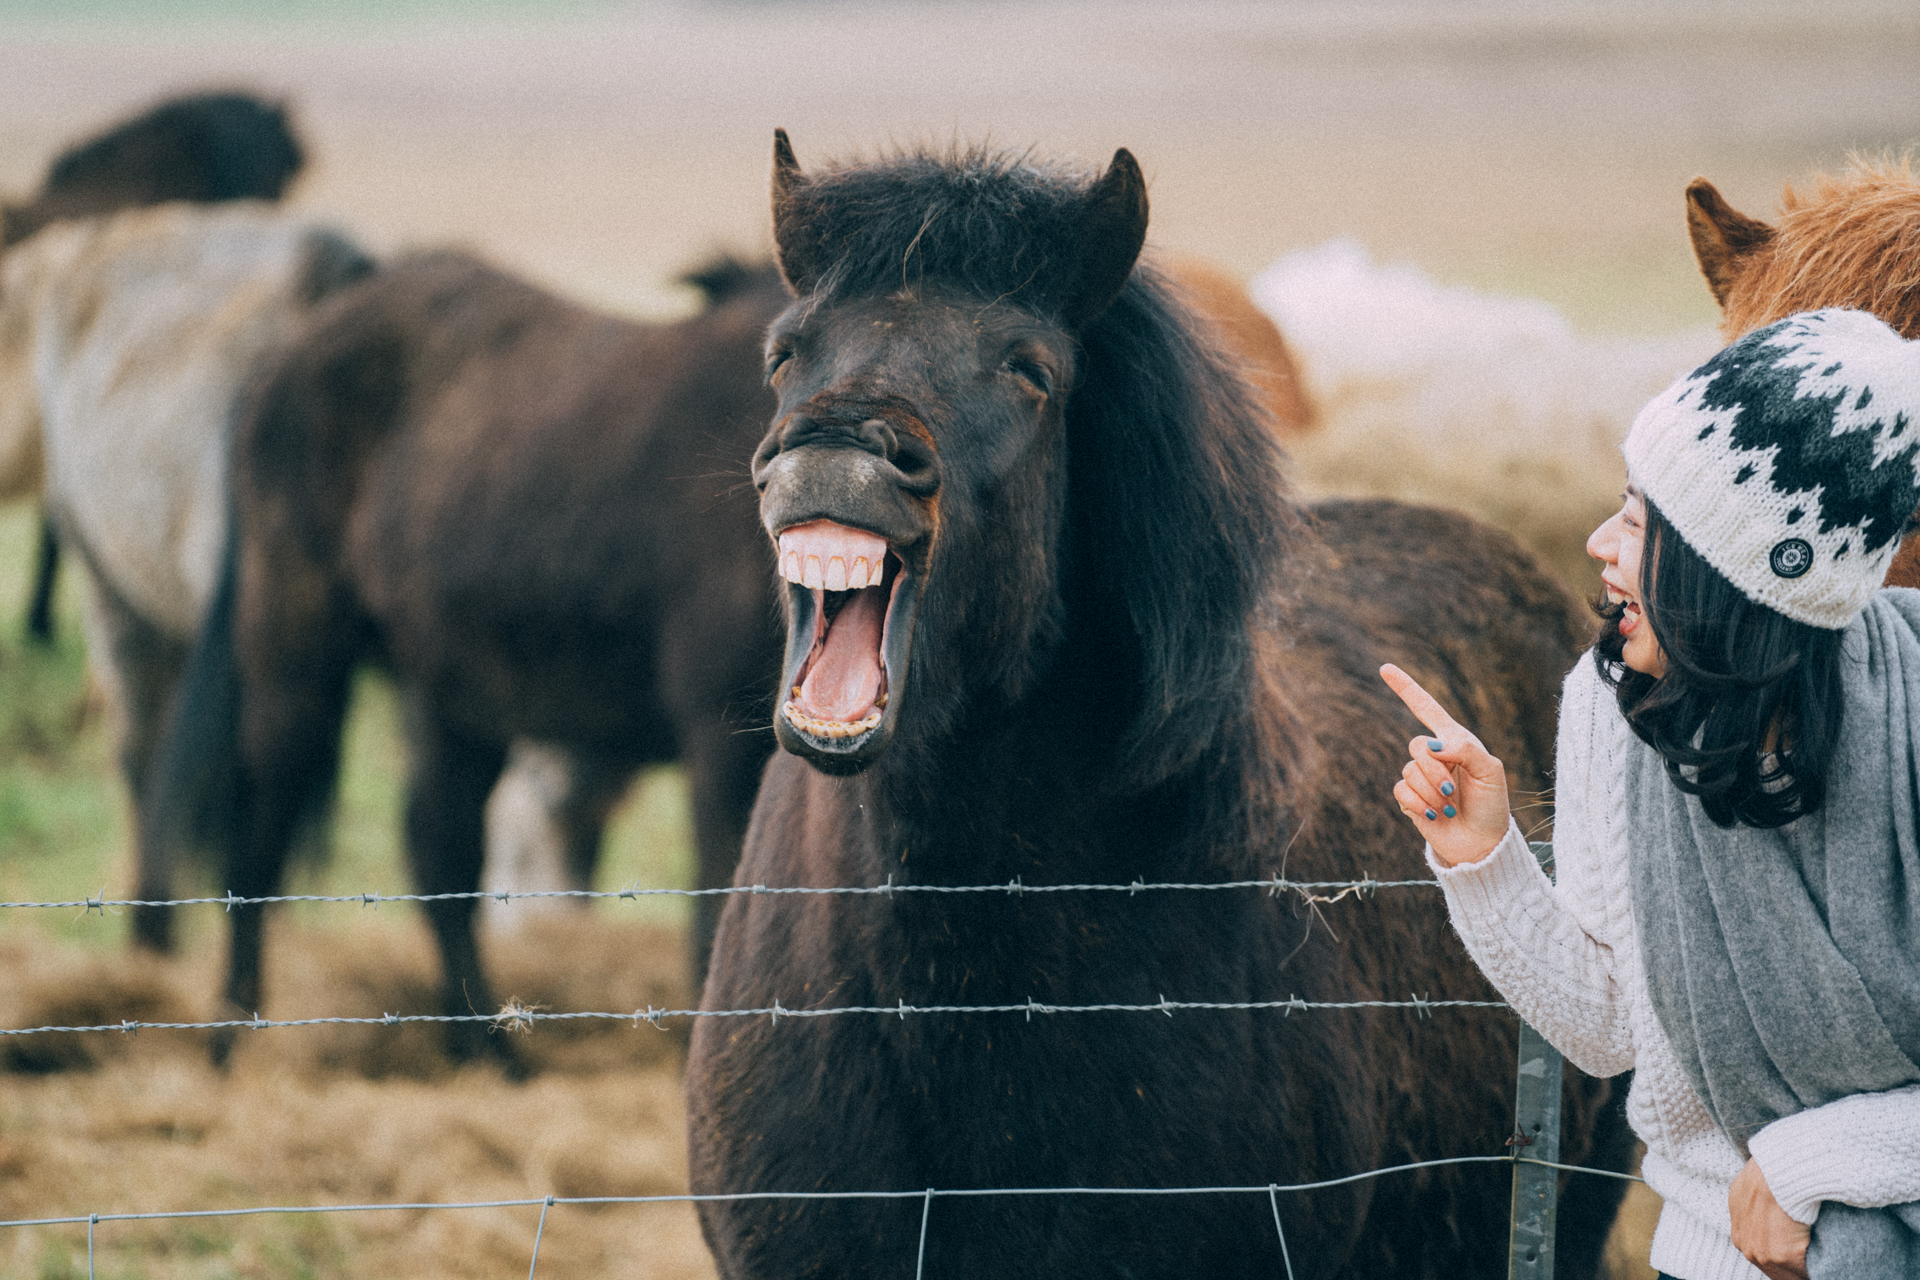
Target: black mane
{"x":1176,"y":479}
{"x":995,"y":223}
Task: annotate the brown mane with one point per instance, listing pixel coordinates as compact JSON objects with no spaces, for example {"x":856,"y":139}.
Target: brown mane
{"x":1852,"y":241}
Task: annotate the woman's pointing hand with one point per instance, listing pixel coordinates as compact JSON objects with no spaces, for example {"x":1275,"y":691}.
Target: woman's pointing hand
{"x":1452,"y":789}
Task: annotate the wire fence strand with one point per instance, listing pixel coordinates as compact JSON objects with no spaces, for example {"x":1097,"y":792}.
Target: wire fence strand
{"x":928,"y":1194}
{"x":1317,"y":891}
{"x":517,"y":1018}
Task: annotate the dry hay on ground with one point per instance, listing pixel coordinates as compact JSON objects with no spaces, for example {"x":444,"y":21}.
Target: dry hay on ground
{"x":346,"y":1115}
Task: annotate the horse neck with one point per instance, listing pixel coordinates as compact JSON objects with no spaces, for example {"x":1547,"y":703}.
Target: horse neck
{"x":1039,"y":790}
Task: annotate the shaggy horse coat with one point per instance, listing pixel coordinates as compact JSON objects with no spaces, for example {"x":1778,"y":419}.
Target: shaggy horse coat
{"x":1084,"y":636}
{"x":205,"y":148}
{"x":536,"y":518}
{"x":124,"y":344}
{"x":1854,"y":242}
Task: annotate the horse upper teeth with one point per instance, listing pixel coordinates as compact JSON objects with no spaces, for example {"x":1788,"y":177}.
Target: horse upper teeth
{"x":823,"y":556}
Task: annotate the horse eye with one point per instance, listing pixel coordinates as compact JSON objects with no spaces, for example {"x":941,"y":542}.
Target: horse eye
{"x":775,"y":358}
{"x":1031,"y":372}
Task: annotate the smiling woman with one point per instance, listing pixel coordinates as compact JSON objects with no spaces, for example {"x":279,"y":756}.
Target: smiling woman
{"x":1734,"y":912}
{"x":1619,"y":545}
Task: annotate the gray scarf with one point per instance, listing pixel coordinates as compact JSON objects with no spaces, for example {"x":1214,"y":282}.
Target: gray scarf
{"x":1784,"y":965}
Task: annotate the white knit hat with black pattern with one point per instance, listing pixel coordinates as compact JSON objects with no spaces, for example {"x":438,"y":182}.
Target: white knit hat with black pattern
{"x":1788,"y":461}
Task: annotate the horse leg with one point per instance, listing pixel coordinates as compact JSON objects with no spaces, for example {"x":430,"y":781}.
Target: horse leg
{"x":594,"y":785}
{"x":136,"y":667}
{"x":453,"y":773}
{"x":290,"y":733}
{"x":723,"y":768}
{"x":545,"y":821}
{"x":45,"y":574}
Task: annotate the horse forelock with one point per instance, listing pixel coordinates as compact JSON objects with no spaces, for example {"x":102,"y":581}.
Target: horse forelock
{"x":988,"y":221}
{"x":1852,"y":240}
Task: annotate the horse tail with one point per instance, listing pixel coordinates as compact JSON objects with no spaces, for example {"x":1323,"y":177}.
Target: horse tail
{"x":195,"y":793}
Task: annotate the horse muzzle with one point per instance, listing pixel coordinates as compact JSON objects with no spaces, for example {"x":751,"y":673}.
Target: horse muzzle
{"x":852,"y":548}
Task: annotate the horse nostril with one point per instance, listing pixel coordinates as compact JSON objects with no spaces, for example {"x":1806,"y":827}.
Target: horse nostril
{"x":918,"y":465}
{"x":878,"y":434}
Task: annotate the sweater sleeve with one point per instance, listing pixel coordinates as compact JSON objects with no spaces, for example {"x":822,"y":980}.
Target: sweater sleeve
{"x":1863,"y":1151}
{"x":1532,"y":947}
{"x":1547,"y":946}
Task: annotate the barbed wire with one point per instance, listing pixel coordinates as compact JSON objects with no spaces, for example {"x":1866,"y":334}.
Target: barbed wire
{"x":1316,"y":891}
{"x":517,"y":1017}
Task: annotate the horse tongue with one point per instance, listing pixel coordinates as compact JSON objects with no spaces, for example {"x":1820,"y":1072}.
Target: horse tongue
{"x":845,"y":678}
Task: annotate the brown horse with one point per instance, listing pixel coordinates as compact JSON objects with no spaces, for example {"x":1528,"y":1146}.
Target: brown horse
{"x":1051,"y":616}
{"x":205,"y":148}
{"x":1250,"y":336}
{"x":1854,"y":242}
{"x":537,"y":518}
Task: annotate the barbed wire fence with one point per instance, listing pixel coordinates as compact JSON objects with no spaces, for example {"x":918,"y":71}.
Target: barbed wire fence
{"x":1533,"y":1147}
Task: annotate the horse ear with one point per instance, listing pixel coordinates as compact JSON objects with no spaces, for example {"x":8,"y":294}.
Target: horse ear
{"x":1721,"y":236}
{"x":1111,"y":235}
{"x":793,"y":248}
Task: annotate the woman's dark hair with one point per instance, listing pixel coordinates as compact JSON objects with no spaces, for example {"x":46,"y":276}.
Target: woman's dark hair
{"x":1748,"y":713}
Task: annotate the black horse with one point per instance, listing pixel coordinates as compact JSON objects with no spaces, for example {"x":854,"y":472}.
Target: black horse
{"x":537,"y":518}
{"x":1052,"y":616}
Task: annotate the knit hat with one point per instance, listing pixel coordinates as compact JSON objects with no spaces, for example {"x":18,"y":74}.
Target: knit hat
{"x":1788,"y":461}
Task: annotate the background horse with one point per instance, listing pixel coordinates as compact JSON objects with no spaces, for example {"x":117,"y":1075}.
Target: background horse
{"x":1052,"y":617}
{"x":124,"y":343}
{"x":535,"y":516}
{"x":1853,"y":242}
{"x":205,"y":148}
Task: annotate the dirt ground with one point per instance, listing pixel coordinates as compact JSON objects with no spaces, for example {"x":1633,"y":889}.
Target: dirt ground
{"x":1537,"y":150}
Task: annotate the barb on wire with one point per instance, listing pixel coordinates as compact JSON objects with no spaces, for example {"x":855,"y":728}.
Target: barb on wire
{"x":518,"y":1017}
{"x":514,"y":1016}
{"x":1313,"y":891}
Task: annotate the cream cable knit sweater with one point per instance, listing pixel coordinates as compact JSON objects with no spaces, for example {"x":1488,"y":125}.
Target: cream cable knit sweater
{"x":1565,"y":955}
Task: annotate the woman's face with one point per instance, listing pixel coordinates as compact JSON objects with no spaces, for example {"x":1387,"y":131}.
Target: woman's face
{"x":1618,"y":545}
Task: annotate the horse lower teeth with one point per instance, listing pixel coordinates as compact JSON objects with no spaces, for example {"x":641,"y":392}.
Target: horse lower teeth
{"x":814,"y":727}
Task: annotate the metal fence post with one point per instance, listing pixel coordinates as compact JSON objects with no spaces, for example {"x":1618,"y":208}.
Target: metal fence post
{"x":1536,"y":1133}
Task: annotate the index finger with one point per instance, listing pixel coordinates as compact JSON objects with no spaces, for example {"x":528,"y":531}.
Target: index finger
{"x":1423,"y":704}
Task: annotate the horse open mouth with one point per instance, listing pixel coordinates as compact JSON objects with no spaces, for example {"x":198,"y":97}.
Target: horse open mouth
{"x":851,"y":613}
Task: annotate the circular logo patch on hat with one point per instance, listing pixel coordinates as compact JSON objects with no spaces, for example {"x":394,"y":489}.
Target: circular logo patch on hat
{"x":1792,"y":558}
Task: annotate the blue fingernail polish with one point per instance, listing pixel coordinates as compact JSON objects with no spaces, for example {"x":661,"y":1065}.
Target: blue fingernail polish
{"x":1434,"y":744}
{"x":1431,"y":815}
{"x":1446,"y":788}
{"x":1451,"y":812}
